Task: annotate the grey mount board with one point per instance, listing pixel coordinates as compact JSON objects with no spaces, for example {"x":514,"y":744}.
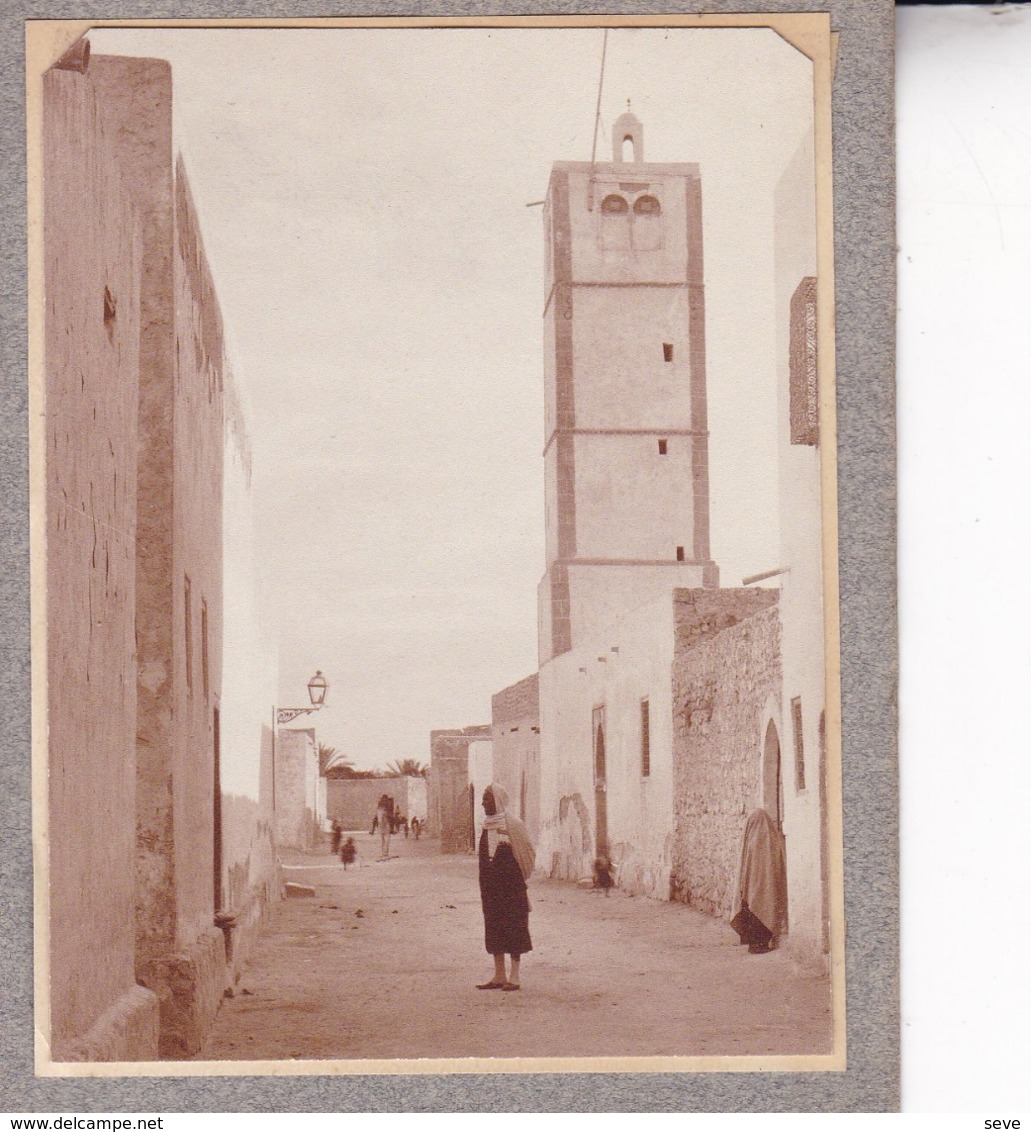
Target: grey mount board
{"x":864,"y":211}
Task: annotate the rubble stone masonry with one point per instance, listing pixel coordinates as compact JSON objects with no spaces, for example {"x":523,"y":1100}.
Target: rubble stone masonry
{"x":726,"y":670}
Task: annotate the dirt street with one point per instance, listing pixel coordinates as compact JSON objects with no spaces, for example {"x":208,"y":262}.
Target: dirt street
{"x":383,"y":962}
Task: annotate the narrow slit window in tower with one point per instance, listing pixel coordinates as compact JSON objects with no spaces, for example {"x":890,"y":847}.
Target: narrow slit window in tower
{"x":662,"y":447}
{"x":680,"y":554}
{"x":667,"y":351}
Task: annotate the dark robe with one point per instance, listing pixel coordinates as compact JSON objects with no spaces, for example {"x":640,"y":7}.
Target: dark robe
{"x":762,"y":885}
{"x":506,"y":907}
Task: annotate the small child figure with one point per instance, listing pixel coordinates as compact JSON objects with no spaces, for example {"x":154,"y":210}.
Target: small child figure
{"x":348,"y":852}
{"x":603,"y":874}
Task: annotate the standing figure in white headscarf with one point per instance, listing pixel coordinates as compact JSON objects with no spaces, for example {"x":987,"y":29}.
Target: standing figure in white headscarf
{"x":506,"y":863}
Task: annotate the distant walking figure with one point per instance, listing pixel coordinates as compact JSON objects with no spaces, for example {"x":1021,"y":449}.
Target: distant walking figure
{"x":337,"y":832}
{"x":506,"y":863}
{"x":348,"y":852}
{"x":383,"y":821}
{"x":762,"y":885}
{"x":416,"y":828}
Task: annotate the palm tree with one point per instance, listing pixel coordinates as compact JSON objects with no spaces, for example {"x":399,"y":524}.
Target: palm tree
{"x":332,"y":762}
{"x":407,"y":768}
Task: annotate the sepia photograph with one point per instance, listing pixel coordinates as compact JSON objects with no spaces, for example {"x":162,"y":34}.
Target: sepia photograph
{"x":435,"y":586}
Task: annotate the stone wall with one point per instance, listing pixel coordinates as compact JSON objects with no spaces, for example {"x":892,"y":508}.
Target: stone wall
{"x":449,"y":762}
{"x":198,"y":466}
{"x":726,"y":674}
{"x":92,"y":250}
{"x":516,"y":742}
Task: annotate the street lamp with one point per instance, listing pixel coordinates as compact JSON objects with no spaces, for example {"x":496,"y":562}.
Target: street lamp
{"x":317,"y":689}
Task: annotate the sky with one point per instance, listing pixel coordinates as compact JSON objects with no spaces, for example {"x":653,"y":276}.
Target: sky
{"x":366,"y":204}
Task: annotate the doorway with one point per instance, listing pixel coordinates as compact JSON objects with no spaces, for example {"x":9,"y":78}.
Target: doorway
{"x":601,"y":813}
{"x":773,"y":793}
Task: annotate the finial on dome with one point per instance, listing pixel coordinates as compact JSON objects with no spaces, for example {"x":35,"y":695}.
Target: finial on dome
{"x":627,"y":128}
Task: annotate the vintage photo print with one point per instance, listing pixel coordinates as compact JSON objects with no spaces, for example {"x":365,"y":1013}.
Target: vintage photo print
{"x":436,"y":651}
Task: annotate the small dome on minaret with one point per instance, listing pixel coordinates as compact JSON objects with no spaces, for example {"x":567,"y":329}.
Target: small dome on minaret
{"x":628,"y":128}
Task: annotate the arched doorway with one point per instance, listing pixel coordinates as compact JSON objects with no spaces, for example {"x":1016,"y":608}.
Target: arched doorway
{"x":601,"y":818}
{"x":772,"y":790}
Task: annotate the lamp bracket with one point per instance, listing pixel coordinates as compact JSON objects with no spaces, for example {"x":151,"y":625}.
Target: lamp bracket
{"x":285,"y":714}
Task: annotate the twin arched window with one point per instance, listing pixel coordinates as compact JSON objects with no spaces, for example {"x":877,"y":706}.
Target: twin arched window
{"x":616,"y":205}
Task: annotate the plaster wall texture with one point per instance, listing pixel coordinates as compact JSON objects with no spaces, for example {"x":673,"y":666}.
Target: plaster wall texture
{"x":481,"y":775}
{"x":179,"y":952}
{"x":249,"y":879}
{"x":516,"y":743}
{"x":632,"y":502}
{"x":801,"y":601}
{"x":92,"y":252}
{"x":199,"y":439}
{"x":298,"y":819}
{"x":640,"y":321}
{"x":136,"y":95}
{"x":726,"y":675}
{"x":598,"y":594}
{"x":638,"y":806}
{"x":417,"y":801}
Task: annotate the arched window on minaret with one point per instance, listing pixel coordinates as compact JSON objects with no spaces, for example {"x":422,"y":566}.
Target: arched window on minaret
{"x":647,"y":229}
{"x":627,"y":139}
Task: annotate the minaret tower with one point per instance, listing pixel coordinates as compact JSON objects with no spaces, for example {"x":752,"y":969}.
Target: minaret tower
{"x":626,"y":447}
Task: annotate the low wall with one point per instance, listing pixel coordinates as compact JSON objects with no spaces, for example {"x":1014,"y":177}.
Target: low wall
{"x":352,"y":801}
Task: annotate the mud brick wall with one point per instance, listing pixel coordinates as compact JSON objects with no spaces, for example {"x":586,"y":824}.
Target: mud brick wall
{"x":726,"y":672}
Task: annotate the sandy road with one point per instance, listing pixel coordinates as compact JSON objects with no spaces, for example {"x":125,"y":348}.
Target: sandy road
{"x":383,"y":962}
